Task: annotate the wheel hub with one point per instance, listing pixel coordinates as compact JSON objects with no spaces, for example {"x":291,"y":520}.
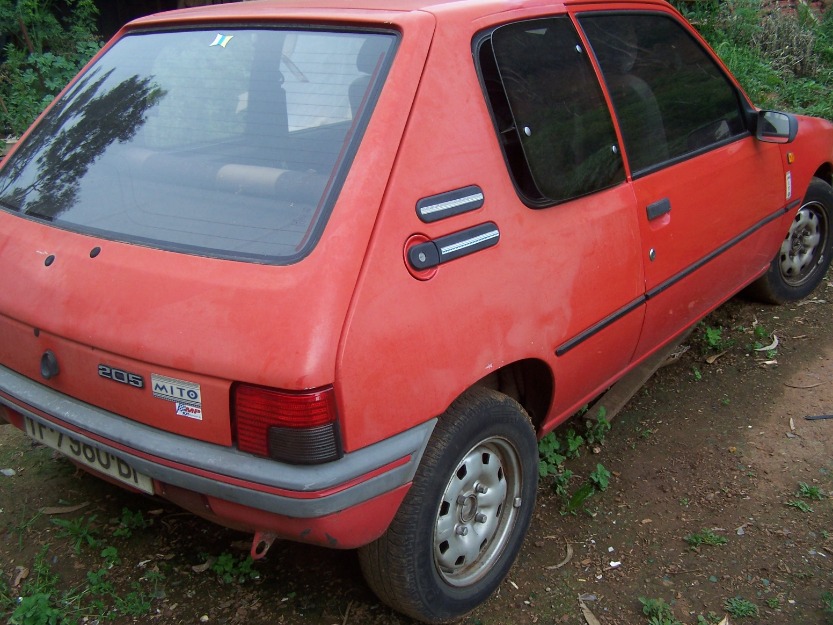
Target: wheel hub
{"x":477,"y":512}
{"x":467,"y":507}
{"x":802,"y":249}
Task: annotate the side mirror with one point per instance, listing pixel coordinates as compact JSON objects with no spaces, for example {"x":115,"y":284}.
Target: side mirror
{"x":775,"y":127}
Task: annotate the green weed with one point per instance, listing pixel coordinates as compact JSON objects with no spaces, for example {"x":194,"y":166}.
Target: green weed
{"x":155,"y":577}
{"x":597,"y":481}
{"x":231,"y":569}
{"x":111,"y":557}
{"x":574,"y":443}
{"x":38,"y":603}
{"x":658,"y":612}
{"x":554,"y":451}
{"x":800,"y":505}
{"x":36,"y":609}
{"x":809,"y":492}
{"x":134,"y":603}
{"x":80,"y":532}
{"x":43,"y":602}
{"x":551,"y":455}
{"x":98,"y":584}
{"x":827,"y":602}
{"x":23,"y":528}
{"x":561,"y":482}
{"x":704,"y":537}
{"x":6,"y":601}
{"x":600,"y":478}
{"x":714,"y":339}
{"x":584,"y":492}
{"x":595,"y":431}
{"x":130,"y":522}
{"x":738,"y":607}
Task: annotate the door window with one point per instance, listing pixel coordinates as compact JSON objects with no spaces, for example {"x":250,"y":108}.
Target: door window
{"x":554,"y":125}
{"x":669,"y":95}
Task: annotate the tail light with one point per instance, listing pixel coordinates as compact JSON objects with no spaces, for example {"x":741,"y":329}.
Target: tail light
{"x":299,"y":428}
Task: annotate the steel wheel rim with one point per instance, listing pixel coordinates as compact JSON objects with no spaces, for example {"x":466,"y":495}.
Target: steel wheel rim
{"x":477,"y":513}
{"x":803,"y":248}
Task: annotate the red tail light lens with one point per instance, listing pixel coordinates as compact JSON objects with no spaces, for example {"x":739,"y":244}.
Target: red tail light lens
{"x":300,"y":428}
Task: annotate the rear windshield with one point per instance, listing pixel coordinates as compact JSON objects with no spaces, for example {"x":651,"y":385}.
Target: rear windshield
{"x":226,"y":143}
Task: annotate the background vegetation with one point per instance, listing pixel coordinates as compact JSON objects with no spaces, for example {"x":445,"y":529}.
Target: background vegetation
{"x":45,"y":44}
{"x":783,"y":56}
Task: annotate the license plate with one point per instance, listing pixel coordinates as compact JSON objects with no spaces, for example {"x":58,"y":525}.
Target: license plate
{"x":90,"y":456}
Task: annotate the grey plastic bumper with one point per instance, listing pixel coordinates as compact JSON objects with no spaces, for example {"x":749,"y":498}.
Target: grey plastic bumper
{"x":34,"y":400}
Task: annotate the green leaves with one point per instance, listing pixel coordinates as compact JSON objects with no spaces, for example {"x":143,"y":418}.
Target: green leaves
{"x":43,"y":54}
{"x":600,"y":478}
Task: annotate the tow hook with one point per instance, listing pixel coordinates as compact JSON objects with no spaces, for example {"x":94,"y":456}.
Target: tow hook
{"x":261,"y":543}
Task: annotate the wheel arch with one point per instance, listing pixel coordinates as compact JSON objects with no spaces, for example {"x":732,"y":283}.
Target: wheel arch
{"x":825,"y":172}
{"x":530,"y":382}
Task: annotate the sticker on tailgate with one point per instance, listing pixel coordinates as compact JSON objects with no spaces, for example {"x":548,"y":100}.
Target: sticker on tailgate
{"x":185,"y":395}
{"x":174,"y":390}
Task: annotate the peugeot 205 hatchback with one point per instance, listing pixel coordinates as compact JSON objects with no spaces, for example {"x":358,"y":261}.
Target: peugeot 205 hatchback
{"x":322,"y":271}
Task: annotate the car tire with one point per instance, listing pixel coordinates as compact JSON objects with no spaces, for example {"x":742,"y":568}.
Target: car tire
{"x":804,"y":256}
{"x":464,"y":519}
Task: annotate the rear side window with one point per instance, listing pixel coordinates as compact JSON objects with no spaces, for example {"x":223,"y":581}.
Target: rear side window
{"x":554,"y":125}
{"x":221,"y":143}
{"x":670,"y":96}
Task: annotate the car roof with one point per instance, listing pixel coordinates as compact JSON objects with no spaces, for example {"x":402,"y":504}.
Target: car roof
{"x":257,"y":10}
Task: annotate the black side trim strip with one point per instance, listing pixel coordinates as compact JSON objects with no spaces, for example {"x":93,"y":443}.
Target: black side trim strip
{"x":720,"y":250}
{"x":450,"y":203}
{"x":615,"y":316}
{"x":599,"y":326}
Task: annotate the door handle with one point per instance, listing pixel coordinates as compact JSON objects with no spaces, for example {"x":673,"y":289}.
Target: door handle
{"x":659,"y":208}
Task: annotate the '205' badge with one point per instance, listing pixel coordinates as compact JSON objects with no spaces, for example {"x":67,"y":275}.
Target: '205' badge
{"x":120,"y":376}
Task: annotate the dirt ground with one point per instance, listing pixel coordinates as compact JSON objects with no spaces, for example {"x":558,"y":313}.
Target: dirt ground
{"x":708,"y":444}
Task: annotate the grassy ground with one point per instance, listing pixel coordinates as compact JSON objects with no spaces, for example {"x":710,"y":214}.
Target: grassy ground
{"x":783,"y":58}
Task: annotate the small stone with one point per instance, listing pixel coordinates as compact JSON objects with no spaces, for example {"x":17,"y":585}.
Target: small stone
{"x":204,"y":618}
{"x":8,"y":472}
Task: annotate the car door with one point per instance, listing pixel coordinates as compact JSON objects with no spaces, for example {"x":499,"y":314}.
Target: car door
{"x":560,"y":145}
{"x":708,"y":193}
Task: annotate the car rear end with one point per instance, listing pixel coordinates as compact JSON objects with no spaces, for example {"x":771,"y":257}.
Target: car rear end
{"x":180,"y":237}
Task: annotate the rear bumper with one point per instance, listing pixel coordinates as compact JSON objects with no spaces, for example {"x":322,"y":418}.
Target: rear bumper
{"x":273,"y":492}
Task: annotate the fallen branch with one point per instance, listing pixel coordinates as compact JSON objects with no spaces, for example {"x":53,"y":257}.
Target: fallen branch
{"x":566,"y":559}
{"x":588,"y":615}
{"x":64,"y":509}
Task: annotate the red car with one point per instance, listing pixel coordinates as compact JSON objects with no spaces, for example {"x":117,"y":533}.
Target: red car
{"x":322,"y":271}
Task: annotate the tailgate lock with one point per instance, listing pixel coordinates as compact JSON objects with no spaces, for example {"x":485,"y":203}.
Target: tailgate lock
{"x":49,"y":365}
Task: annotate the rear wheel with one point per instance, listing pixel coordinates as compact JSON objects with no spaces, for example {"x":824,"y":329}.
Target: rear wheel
{"x":805,"y":253}
{"x":464,"y":519}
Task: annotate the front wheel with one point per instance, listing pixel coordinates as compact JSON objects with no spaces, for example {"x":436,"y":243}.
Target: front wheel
{"x":800,"y":264}
{"x":464,"y":519}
